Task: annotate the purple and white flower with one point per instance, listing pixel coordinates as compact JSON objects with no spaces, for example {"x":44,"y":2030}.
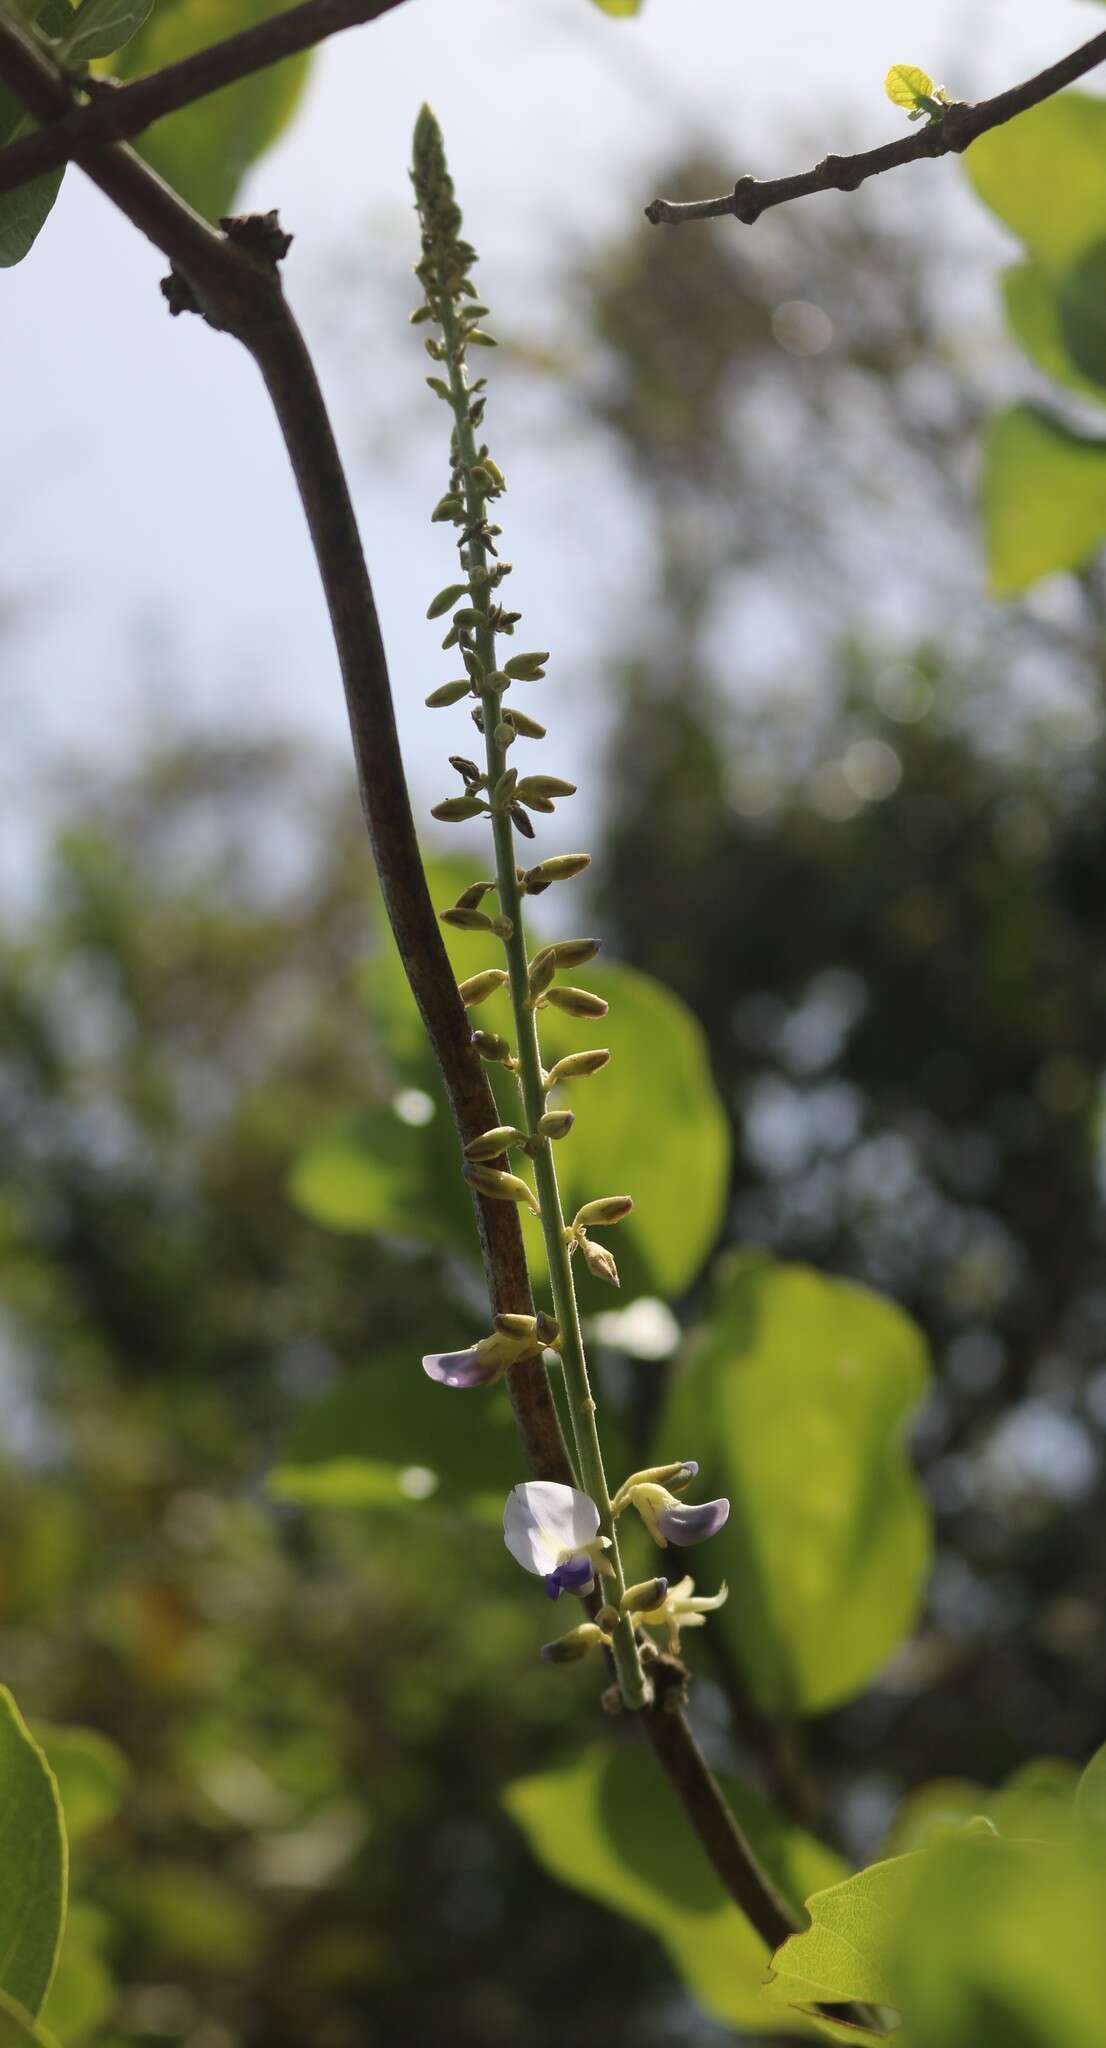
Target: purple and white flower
{"x":462,"y":1368}
{"x":553,"y":1531}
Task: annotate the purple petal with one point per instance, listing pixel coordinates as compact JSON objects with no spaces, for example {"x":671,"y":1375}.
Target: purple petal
{"x":691,"y":1467}
{"x":459,"y":1369}
{"x":573,"y":1575}
{"x":684,"y":1525}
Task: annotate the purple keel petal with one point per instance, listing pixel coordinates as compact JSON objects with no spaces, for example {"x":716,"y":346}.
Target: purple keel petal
{"x":573,"y":1575}
{"x":684,"y":1525}
{"x":459,"y":1369}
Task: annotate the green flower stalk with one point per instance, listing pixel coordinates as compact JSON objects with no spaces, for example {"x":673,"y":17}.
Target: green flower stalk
{"x":500,"y":793}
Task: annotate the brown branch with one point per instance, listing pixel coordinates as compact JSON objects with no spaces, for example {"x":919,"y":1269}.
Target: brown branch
{"x":118,"y":111}
{"x":960,"y":125}
{"x":233,"y":281}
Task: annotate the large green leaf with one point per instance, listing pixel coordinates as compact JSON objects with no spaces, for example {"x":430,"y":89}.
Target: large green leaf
{"x":32,"y":1863}
{"x":1002,"y":1948}
{"x":101,"y":26}
{"x":1044,"y":175}
{"x":795,"y":1400}
{"x":1044,"y":497}
{"x":608,"y":1825}
{"x":205,"y":149}
{"x":651,"y":1124}
{"x":1032,"y":302}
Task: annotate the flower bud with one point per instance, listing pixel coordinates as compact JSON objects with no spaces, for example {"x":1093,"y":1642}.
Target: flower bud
{"x":561,"y":867}
{"x":491,"y":1046}
{"x":505,"y":788}
{"x":499,"y":1187}
{"x":491,"y":1143}
{"x":467,"y":920}
{"x":493,"y":468}
{"x":473,"y":896}
{"x":447,"y":508}
{"x":556,"y":1123}
{"x":578,"y":1002}
{"x":608,"y":1209}
{"x":481,"y":478}
{"x":454,"y":809}
{"x":527,"y":668}
{"x":549,"y":1329}
{"x":599,"y":1261}
{"x":542,"y":969}
{"x":526,"y":728}
{"x":644,"y":1598}
{"x":568,"y":1648}
{"x":575,"y":1065}
{"x":544,"y":787}
{"x":469,"y":615}
{"x":446,"y":599}
{"x":574,"y":952}
{"x":480,"y":986}
{"x":504,"y":735}
{"x":521,"y":822}
{"x":449,"y":693}
{"x":440,"y":389}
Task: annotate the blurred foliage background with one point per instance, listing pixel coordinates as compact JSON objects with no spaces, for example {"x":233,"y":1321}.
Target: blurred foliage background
{"x":854,"y":817}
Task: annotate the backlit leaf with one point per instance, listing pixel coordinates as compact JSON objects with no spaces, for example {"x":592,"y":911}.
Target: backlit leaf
{"x":795,"y":1400}
{"x":32,"y":1863}
{"x":608,"y":1825}
{"x":1044,"y":498}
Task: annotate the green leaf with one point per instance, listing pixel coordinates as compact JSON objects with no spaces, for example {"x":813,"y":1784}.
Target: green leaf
{"x":1081,"y":312}
{"x":386,"y":1436}
{"x":18,"y":2027}
{"x":608,"y":1825}
{"x":1044,"y":175}
{"x":1090,"y":1796}
{"x":905,"y":85}
{"x":101,"y":26}
{"x":32,"y":1863}
{"x":654,"y":1110}
{"x":1002,"y":1947}
{"x":204,"y":150}
{"x":24,"y":211}
{"x":92,"y":1776}
{"x":23,"y":214}
{"x":1044,"y":498}
{"x":1032,"y":303}
{"x":1036,"y":1802}
{"x":795,"y":1400}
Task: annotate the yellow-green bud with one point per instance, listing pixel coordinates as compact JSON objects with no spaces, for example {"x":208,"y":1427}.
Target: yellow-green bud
{"x":542,"y":969}
{"x":477,"y":337}
{"x":468,"y":920}
{"x":473,"y":896}
{"x":491,"y":1143}
{"x":607,"y":1209}
{"x":449,"y":693}
{"x":504,"y":735}
{"x":575,"y":1065}
{"x":498,"y":1186}
{"x":469,"y":615}
{"x":445,"y":599}
{"x":560,"y":867}
{"x":579,"y":1002}
{"x":644,"y":1598}
{"x":440,"y":389}
{"x":544,"y":786}
{"x":481,"y":477}
{"x":447,"y":508}
{"x":517,"y":1326}
{"x":491,"y":1046}
{"x":556,"y":1123}
{"x":527,"y":668}
{"x":526,"y":728}
{"x":453,"y":810}
{"x":568,"y":1648}
{"x":480,"y":986}
{"x":574,"y":952}
{"x":493,"y":468}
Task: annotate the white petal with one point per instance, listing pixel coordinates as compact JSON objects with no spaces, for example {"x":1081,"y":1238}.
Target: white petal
{"x":542,"y":1519}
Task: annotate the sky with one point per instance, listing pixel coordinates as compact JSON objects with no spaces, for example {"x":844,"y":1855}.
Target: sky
{"x":156,"y":575}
